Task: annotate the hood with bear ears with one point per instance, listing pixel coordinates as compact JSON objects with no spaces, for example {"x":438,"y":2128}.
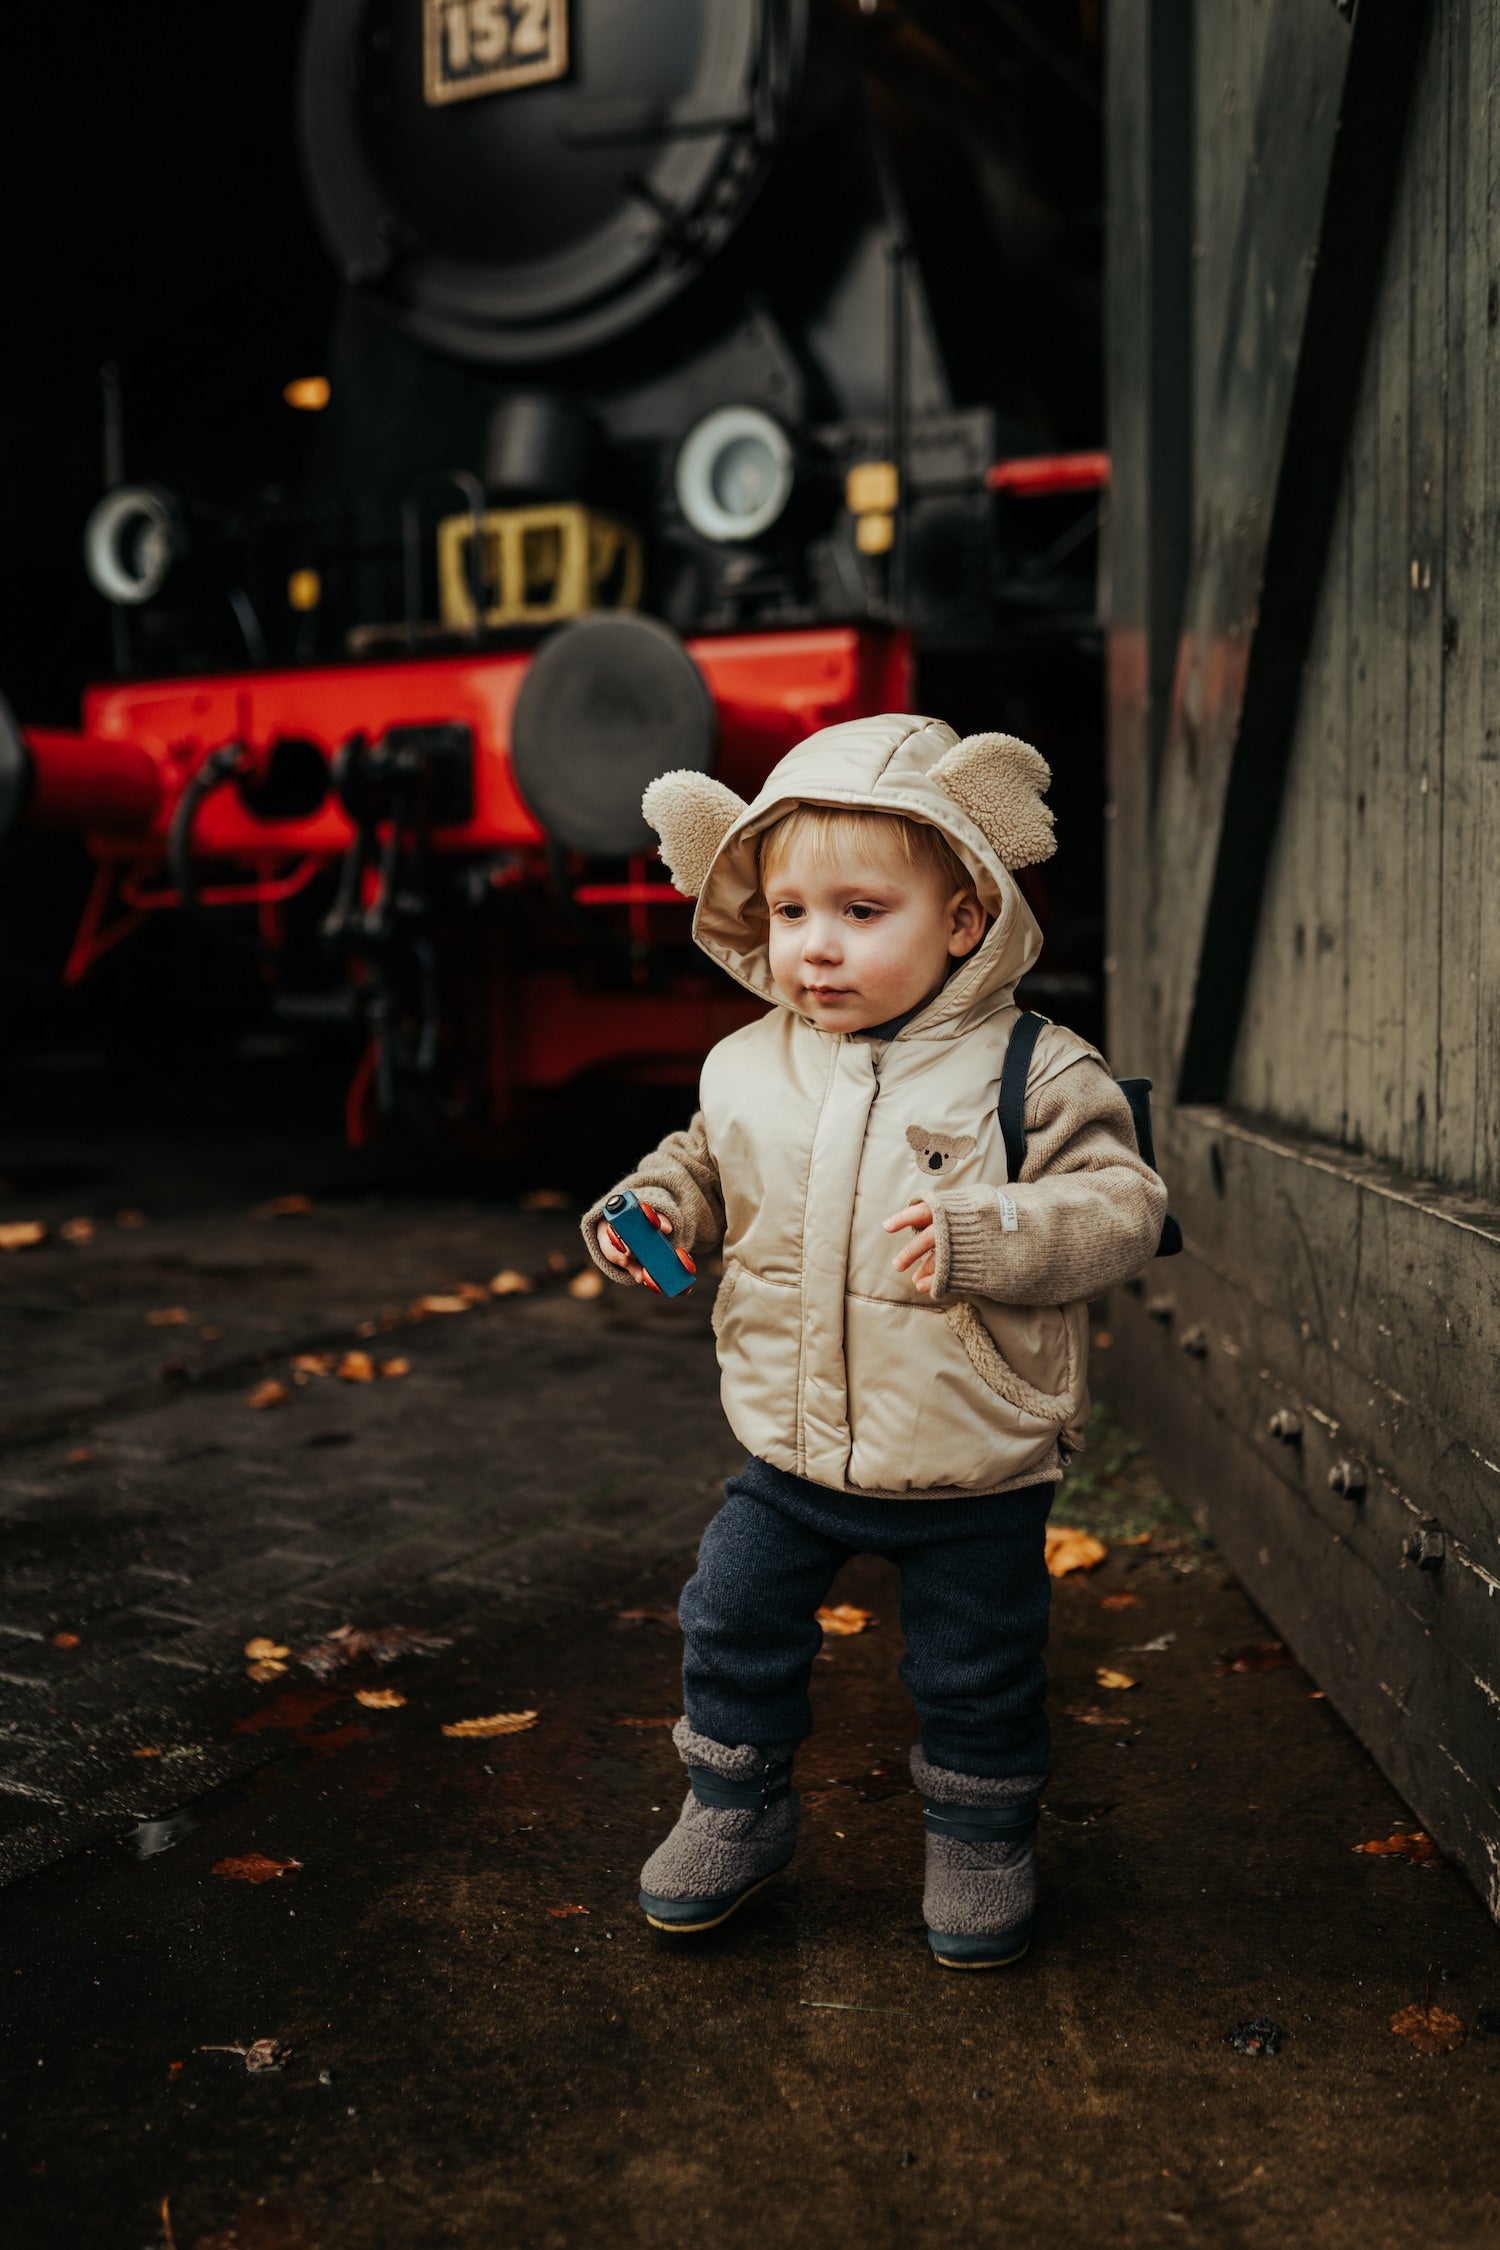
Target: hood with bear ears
{"x":984,"y":793}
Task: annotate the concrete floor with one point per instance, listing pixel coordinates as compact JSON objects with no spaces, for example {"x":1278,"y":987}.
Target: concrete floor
{"x":469,"y":2063}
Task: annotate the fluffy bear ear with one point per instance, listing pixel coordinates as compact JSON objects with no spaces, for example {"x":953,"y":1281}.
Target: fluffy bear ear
{"x":997,"y":780}
{"x":692,"y":813}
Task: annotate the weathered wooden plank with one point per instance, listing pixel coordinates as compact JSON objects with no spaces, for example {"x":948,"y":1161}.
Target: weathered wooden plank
{"x":1464,"y":858}
{"x":1149,"y":383}
{"x":1376,"y":1279}
{"x":1267,"y":78}
{"x":1398,"y":567}
{"x":1290,"y":1060}
{"x":1368,"y":1305}
{"x":1127,"y":523}
{"x":1364,"y":932}
{"x":1487,"y":1029}
{"x":1414,"y":1142}
{"x":1385,"y":1658}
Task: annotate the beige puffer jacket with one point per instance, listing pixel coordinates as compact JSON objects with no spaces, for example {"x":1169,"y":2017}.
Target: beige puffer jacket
{"x":834,"y":1366}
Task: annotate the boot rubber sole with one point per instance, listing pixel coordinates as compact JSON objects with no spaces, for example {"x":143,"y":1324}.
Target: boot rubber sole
{"x":995,"y":1961}
{"x":995,"y":1952}
{"x":712,"y":1911}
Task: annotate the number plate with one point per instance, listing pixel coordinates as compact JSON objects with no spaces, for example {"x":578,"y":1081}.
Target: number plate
{"x":492,"y":46}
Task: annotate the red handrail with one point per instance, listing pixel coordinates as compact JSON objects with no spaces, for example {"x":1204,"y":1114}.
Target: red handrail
{"x":1036,"y":474}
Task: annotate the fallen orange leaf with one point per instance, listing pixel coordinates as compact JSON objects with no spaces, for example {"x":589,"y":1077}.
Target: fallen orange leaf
{"x":254,"y":1867}
{"x":509,"y":1283}
{"x":268,"y":1393}
{"x":1111,"y":1679}
{"x":545,"y":1199}
{"x":472,"y":1293}
{"x":645,"y":1722}
{"x":260,"y":1648}
{"x":379,"y":1698}
{"x":170,"y":1316}
{"x":586,"y":1284}
{"x":389,"y":1369}
{"x":449,"y":1304}
{"x":147,"y":1750}
{"x":77,"y":1230}
{"x":264,"y":1668}
{"x":210,"y":1335}
{"x":1121,"y":1601}
{"x":1431,"y":2031}
{"x":65,"y":1640}
{"x":503,"y":1722}
{"x":1141,"y":1539}
{"x":78,"y":1455}
{"x":844,"y":1618}
{"x":648,"y":1616}
{"x":1069,"y":1549}
{"x":128,"y":1219}
{"x":21,"y":1234}
{"x":558,"y":1912}
{"x":283,"y":1207}
{"x":1102,"y":1339}
{"x":315,"y":1363}
{"x":556,"y":1262}
{"x":356,"y":1367}
{"x":1419,"y":1849}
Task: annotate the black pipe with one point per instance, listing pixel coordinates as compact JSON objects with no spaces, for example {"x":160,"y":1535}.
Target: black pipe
{"x":221,"y":766}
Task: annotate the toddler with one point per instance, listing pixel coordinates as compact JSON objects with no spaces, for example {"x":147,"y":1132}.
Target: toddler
{"x":902,"y":1328}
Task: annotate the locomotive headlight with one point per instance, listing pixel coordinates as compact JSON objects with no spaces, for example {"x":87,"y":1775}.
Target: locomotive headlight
{"x":130,"y":542}
{"x":735,"y":473}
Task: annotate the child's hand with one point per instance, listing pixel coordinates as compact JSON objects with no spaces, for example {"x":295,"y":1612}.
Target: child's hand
{"x":920,"y":1252}
{"x":612,"y":1248}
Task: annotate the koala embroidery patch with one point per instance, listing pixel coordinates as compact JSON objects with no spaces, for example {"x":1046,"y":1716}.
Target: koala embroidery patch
{"x":937,"y":1153}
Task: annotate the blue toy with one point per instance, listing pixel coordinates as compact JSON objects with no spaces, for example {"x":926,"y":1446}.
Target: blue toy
{"x":648,"y":1244}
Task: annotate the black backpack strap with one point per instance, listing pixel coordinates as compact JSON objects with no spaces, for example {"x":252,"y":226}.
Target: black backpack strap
{"x":1013,"y":1076}
{"x":1137,"y":1092}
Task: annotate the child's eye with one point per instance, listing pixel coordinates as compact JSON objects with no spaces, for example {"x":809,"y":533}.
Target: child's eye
{"x":787,"y":913}
{"x":864,"y":913}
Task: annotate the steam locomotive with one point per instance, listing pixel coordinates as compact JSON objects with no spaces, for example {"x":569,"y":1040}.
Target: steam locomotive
{"x":636,"y":448}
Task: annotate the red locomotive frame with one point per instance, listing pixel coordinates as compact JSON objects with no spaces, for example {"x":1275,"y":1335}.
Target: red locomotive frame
{"x":119,"y":780}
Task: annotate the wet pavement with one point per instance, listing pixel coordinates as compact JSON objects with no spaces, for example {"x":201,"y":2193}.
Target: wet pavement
{"x":480,"y":2041}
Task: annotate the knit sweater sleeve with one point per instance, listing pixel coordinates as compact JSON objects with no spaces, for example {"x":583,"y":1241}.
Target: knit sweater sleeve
{"x":680,"y":1180}
{"x":1087,"y":1206}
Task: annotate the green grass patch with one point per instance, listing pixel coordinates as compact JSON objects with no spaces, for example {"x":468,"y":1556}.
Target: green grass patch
{"x":1113,"y":1491}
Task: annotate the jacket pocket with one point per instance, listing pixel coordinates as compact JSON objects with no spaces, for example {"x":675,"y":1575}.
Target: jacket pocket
{"x":725,"y":1291}
{"x":758,"y":1335}
{"x":1058,"y":1403}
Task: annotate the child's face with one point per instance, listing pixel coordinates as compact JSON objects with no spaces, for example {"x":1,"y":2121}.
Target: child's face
{"x":859,"y":939}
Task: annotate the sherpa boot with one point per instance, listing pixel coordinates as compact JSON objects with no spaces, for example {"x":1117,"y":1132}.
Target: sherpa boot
{"x":980,"y":1893}
{"x":737,"y":1828}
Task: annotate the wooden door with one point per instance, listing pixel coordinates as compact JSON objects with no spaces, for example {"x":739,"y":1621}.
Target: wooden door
{"x":1305,"y":830}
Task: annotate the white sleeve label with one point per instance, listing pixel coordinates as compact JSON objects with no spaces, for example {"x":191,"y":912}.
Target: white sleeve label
{"x":1008,"y":1219}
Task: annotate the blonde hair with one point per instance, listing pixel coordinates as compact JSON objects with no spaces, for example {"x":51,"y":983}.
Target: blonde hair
{"x":838,"y":832}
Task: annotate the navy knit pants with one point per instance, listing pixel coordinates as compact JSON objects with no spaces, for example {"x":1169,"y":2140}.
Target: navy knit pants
{"x":975,"y":1598}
